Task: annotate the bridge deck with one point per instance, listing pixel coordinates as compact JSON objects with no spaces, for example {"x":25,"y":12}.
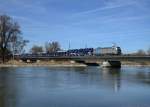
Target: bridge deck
{"x":91,"y":58}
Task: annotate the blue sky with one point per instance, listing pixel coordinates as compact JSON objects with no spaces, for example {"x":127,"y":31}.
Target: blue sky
{"x":95,"y":23}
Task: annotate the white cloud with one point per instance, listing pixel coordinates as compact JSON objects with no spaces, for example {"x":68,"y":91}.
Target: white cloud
{"x":107,"y":5}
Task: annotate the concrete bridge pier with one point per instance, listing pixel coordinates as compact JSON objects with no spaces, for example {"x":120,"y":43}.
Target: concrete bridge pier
{"x":111,"y":64}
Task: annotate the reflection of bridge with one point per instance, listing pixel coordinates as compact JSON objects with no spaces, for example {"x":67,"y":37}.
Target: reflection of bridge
{"x":109,"y":60}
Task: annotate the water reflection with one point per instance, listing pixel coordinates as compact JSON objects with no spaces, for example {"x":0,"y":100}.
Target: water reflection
{"x":114,"y":77}
{"x":75,"y":87}
{"x":143,"y":77}
{"x":8,"y":88}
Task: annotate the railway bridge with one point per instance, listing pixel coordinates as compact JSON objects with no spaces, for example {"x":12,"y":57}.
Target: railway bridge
{"x":107,"y":60}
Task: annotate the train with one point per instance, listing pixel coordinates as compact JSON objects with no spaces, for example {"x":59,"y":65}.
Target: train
{"x":114,"y":50}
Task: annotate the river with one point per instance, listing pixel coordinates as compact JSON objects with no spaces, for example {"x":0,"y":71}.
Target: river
{"x":74,"y":87}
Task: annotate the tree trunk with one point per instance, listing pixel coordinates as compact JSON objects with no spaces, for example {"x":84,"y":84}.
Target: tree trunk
{"x":3,"y":55}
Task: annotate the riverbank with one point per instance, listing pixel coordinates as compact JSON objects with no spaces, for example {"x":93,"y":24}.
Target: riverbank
{"x":64,"y":64}
{"x":43,"y":64}
{"x":137,"y":64}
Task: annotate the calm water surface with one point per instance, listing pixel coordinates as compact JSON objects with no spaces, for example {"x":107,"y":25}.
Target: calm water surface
{"x":75,"y":87}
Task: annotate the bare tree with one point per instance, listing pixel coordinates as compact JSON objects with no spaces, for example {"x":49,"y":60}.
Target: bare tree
{"x":18,"y":44}
{"x":52,"y":47}
{"x":8,"y":29}
{"x":148,"y":51}
{"x":140,"y":52}
{"x":36,"y":49}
